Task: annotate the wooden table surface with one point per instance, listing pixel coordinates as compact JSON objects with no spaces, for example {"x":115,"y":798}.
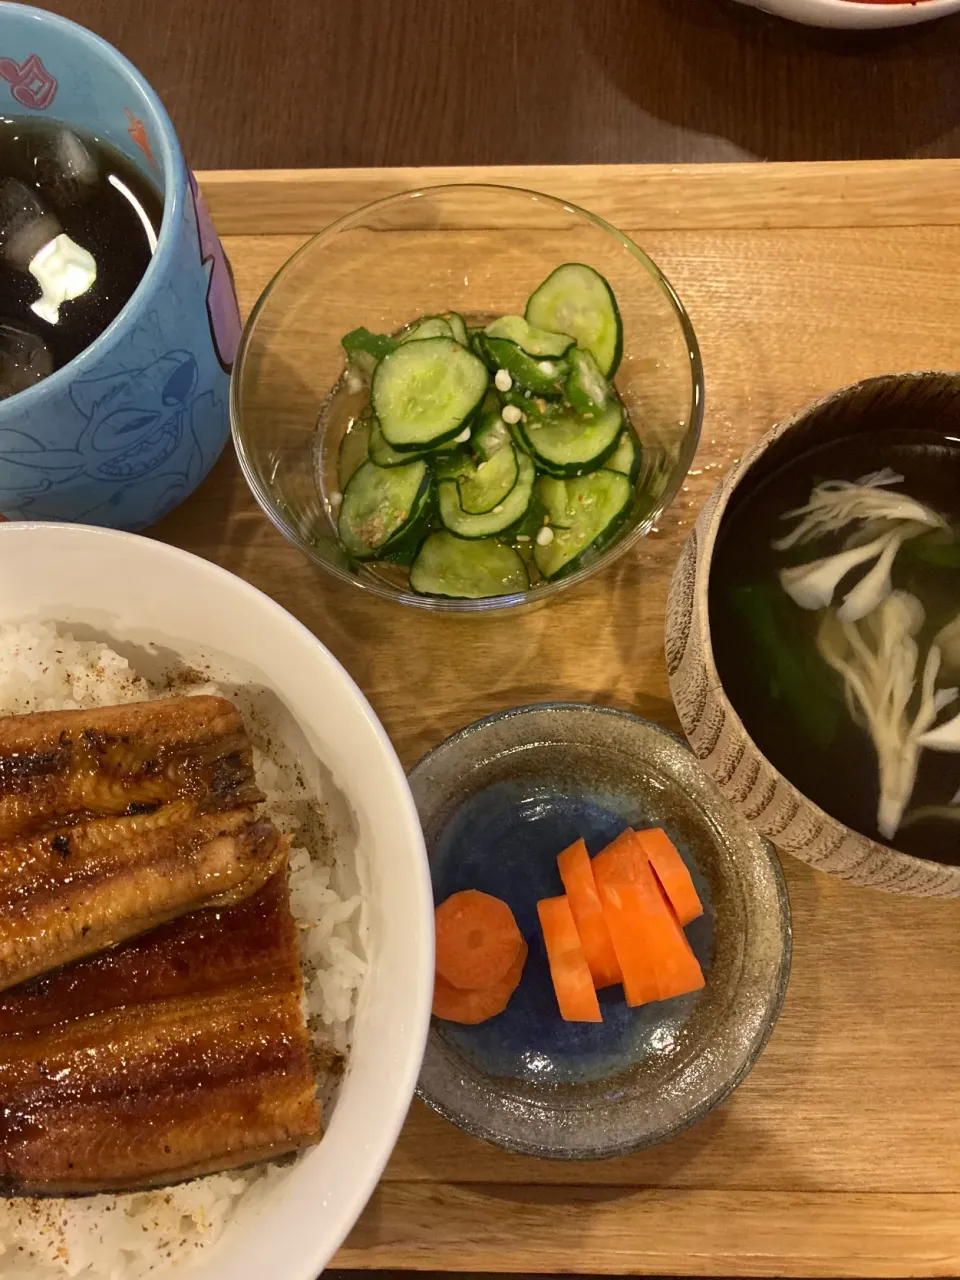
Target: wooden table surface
{"x":840,"y":1154}
{"x":287,"y":83}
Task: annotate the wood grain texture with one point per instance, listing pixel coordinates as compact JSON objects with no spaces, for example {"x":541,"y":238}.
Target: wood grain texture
{"x":840,"y":1154}
{"x":531,"y":1229}
{"x":654,"y":197}
{"x":399,"y":82}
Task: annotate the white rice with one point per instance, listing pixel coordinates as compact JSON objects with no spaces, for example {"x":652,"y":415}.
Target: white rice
{"x":122,"y":1237}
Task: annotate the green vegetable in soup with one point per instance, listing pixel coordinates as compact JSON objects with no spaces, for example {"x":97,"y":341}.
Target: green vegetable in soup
{"x":940,"y":548}
{"x":812,"y":695}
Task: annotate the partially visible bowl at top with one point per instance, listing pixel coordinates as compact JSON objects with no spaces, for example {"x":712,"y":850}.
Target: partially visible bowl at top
{"x":855,"y":13}
{"x":481,"y":251}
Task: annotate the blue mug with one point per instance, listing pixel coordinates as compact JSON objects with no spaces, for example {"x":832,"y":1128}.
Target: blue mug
{"x":121,"y":434}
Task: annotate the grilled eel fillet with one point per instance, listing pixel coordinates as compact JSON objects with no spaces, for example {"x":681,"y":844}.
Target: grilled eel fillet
{"x":118,"y":819}
{"x":176,"y":1054}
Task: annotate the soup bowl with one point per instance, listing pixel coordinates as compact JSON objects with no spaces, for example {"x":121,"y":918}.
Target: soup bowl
{"x":714,"y":728}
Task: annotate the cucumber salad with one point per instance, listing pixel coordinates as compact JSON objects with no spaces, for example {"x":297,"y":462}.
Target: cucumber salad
{"x":481,"y":458}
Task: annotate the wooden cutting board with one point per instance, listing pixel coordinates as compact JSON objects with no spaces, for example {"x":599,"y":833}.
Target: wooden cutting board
{"x":840,"y":1154}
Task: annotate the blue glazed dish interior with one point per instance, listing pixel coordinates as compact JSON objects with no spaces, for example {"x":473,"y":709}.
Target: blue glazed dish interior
{"x":504,"y":840}
{"x":498,"y":802}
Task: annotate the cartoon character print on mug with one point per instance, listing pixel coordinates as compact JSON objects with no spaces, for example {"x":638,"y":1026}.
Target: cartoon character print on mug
{"x":149,"y":431}
{"x":126,"y":431}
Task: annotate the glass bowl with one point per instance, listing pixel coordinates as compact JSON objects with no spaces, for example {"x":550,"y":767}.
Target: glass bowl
{"x":480,"y":250}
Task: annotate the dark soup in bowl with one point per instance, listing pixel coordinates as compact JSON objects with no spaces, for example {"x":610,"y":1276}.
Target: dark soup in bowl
{"x":835,"y":622}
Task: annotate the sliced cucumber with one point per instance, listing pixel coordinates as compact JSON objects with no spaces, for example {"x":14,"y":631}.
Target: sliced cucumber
{"x":426,"y":391}
{"x":486,"y":439}
{"x":490,"y":435}
{"x":354,"y":449}
{"x":450,"y":566}
{"x":486,"y":481}
{"x":555,"y":499}
{"x":427,"y":327}
{"x":545,"y":377}
{"x":381,"y":505}
{"x":507,"y":512}
{"x":403,"y":551}
{"x":482,"y":485}
{"x":598,"y":504}
{"x":458,"y":326}
{"x":568,"y":445}
{"x":383,"y":454}
{"x":576,"y":299}
{"x":587,"y":389}
{"x":524,"y":531}
{"x":627,"y":456}
{"x":543,"y":344}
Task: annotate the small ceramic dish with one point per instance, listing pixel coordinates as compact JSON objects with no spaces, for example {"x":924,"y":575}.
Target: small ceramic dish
{"x":498,"y":801}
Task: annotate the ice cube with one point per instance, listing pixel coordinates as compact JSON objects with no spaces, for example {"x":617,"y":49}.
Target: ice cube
{"x":26,"y":225}
{"x":65,"y":170}
{"x":24,"y":359}
{"x":75,"y":161}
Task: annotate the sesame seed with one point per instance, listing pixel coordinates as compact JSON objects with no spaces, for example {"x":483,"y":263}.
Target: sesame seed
{"x":544,"y":536}
{"x":511,"y":414}
{"x":502,"y":380}
{"x":547,"y":368}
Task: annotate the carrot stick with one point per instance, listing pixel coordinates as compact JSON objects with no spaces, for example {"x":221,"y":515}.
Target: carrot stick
{"x":615,"y":870}
{"x":477,"y":939}
{"x":651,"y":946}
{"x":577,"y":876}
{"x":470,"y":1007}
{"x":671,"y":871}
{"x":678,"y":969}
{"x":576,"y":994}
{"x":621,"y":858}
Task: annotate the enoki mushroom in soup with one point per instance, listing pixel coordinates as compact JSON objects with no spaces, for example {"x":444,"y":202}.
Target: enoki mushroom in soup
{"x":879,"y":662}
{"x":835,"y":617}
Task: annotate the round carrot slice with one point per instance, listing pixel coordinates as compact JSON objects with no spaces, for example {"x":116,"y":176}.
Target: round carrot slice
{"x":470,"y":1007}
{"x":477,"y":939}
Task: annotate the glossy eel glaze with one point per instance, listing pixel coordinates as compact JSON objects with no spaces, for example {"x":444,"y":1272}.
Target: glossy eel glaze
{"x":176,"y":1054}
{"x":151,"y":1027}
{"x":116,"y":820}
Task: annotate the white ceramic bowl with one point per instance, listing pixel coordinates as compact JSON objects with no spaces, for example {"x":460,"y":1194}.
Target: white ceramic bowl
{"x":848,"y":13}
{"x":151,"y":601}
